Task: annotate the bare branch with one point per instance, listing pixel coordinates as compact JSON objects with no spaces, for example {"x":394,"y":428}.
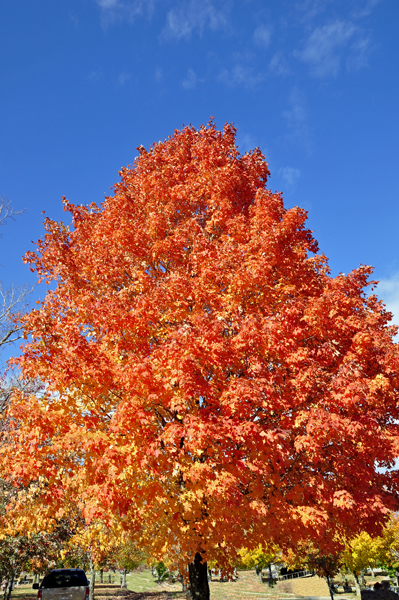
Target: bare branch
{"x":7,"y":211}
{"x":11,"y":301}
{"x":14,"y":299}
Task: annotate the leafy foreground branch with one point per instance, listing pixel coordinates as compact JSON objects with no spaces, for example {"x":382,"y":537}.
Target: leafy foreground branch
{"x":209,"y":385}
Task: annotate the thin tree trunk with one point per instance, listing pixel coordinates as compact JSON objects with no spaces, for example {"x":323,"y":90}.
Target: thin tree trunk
{"x":101,"y":576}
{"x":10,"y":586}
{"x":329,"y":587}
{"x":197,"y":572}
{"x":362,"y":580}
{"x":6,"y":589}
{"x":260,"y":575}
{"x":124,"y":584}
{"x":270,"y":580}
{"x":357,"y":584}
{"x":92,"y":580}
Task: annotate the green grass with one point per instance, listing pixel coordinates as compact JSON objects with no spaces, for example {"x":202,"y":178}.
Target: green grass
{"x":24,"y":591}
{"x":247,"y":587}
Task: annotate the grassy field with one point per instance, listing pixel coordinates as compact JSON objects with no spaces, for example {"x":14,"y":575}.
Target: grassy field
{"x":247,"y":587}
{"x":142,"y":585}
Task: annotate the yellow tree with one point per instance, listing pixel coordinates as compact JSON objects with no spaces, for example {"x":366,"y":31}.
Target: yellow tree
{"x":361,"y":553}
{"x":390,"y":543}
{"x":261,"y":557}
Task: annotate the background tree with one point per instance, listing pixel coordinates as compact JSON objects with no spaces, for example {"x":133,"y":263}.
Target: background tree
{"x":12,"y":299}
{"x":210,"y":385}
{"x":388,"y":546}
{"x":361,"y":553}
{"x":306,"y":555}
{"x":261,"y":558}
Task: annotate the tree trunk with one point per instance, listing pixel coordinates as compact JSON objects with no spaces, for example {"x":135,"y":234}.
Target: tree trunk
{"x":270,"y":579}
{"x":357,"y":584}
{"x":6,"y":589}
{"x":183,"y":585}
{"x":92,"y":580}
{"x":124,"y":584}
{"x":260,"y":575}
{"x":197,"y":572}
{"x":362,"y":580}
{"x":10,"y":586}
{"x":329,"y":587}
{"x":101,"y":576}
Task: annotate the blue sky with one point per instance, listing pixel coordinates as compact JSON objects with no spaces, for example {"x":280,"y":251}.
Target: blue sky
{"x":313,"y":83}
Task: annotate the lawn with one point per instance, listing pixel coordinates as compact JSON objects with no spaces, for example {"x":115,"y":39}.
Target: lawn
{"x":247,"y":587}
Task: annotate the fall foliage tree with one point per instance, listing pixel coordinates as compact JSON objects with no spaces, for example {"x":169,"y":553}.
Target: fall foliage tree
{"x":308,"y":556}
{"x":260,"y":558}
{"x":360,"y":553}
{"x":209,"y":384}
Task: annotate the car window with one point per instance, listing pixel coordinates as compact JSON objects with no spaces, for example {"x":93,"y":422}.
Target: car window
{"x":64,"y":579}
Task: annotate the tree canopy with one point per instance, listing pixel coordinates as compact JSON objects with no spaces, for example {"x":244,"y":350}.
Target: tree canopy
{"x":209,"y":384}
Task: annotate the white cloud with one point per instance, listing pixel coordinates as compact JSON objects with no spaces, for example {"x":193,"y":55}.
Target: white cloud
{"x":262,"y":36}
{"x":365,"y":9}
{"x":123,"y":78}
{"x":190,"y":81}
{"x":241,"y":75}
{"x":296,"y":119}
{"x":388,"y":291}
{"x":96,"y":75}
{"x":113,"y":10}
{"x":245,"y":142}
{"x":194,"y":15}
{"x":311,"y":8}
{"x":75,"y":21}
{"x":329,"y":46}
{"x":290,"y":175}
{"x":107,"y":3}
{"x":278,"y":64}
{"x":359,"y":53}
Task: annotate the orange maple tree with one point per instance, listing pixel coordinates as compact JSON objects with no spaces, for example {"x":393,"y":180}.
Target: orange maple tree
{"x":209,"y":385}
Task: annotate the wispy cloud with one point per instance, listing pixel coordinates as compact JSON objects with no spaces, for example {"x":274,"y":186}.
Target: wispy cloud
{"x":328,"y":47}
{"x":96,"y":75}
{"x":296,"y":119}
{"x":158,"y":75}
{"x":75,"y":21}
{"x":290,"y":175}
{"x":278,"y":64}
{"x":190,"y":81}
{"x":365,"y":9}
{"x":113,"y":10}
{"x":107,"y":3}
{"x":244,"y":75}
{"x":309,"y":9}
{"x":262,"y":36}
{"x":123,"y":78}
{"x":388,"y":291}
{"x":195,"y":16}
{"x":245,"y":142}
